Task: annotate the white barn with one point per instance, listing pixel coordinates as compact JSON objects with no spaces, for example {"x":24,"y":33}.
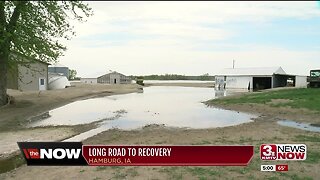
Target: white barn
{"x":256,"y":78}
{"x":89,"y":80}
{"x":114,"y":78}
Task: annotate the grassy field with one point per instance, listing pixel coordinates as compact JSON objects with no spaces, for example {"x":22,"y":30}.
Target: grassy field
{"x":295,"y":98}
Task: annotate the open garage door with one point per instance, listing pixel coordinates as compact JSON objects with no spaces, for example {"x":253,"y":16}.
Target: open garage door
{"x":261,"y":83}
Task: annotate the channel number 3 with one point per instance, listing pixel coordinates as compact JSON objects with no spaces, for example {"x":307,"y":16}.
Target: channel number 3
{"x":268,"y":151}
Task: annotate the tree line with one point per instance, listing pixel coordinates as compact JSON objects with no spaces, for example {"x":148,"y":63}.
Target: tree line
{"x":204,"y":77}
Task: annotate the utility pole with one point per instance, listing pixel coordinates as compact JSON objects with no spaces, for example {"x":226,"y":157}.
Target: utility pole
{"x":233,"y":64}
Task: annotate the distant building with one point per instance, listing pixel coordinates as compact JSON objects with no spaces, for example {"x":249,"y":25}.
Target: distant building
{"x":89,"y":80}
{"x":257,"y":78}
{"x":59,"y":68}
{"x":33,"y":77}
{"x":114,"y":78}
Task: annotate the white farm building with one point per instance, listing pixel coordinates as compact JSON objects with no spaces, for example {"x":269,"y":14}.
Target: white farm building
{"x":114,"y":78}
{"x":257,"y":78}
{"x":89,"y":80}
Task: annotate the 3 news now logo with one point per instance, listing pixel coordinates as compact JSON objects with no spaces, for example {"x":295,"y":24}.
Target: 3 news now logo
{"x":283,"y":152}
{"x":52,"y":153}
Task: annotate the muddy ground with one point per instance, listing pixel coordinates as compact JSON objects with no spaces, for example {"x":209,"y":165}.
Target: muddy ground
{"x":15,"y":117}
{"x":30,"y":103}
{"x":264,"y":129}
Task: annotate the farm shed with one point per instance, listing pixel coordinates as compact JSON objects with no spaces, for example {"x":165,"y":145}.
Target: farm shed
{"x":256,"y":78}
{"x":114,"y":78}
{"x":89,"y":80}
{"x":30,"y":77}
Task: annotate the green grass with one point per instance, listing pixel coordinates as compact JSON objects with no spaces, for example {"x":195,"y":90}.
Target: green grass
{"x":202,"y":172}
{"x":173,"y":172}
{"x":132,"y":172}
{"x":304,"y":138}
{"x":8,"y":164}
{"x":203,"y":142}
{"x":118,"y":172}
{"x":272,"y":178}
{"x":245,"y":139}
{"x":300,"y":98}
{"x":312,"y":157}
{"x":294,"y":176}
{"x":101,"y":168}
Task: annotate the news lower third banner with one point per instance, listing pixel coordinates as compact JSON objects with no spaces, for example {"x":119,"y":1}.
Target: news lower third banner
{"x":74,"y":153}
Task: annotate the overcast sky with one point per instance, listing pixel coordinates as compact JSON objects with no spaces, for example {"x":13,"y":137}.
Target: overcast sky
{"x":193,"y":38}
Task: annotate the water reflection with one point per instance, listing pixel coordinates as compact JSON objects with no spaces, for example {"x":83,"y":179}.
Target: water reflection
{"x":220,"y":93}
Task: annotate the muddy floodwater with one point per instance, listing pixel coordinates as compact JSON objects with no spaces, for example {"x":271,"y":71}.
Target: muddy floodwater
{"x":169,"y":106}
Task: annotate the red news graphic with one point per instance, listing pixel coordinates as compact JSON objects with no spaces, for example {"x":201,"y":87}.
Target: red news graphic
{"x":74,"y":153}
{"x":167,"y":155}
{"x":31,"y":153}
{"x":283,"y":152}
{"x":282,"y":167}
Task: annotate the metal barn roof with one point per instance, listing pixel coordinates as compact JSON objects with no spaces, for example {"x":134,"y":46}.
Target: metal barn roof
{"x":57,"y":65}
{"x":255,"y":71}
{"x":113,"y":72}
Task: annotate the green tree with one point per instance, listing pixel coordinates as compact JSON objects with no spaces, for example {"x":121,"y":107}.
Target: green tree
{"x":139,"y":80}
{"x":32,"y":30}
{"x":205,"y":77}
{"x":72,"y":74}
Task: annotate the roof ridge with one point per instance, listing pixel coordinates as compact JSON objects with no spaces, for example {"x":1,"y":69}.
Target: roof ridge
{"x":255,"y":67}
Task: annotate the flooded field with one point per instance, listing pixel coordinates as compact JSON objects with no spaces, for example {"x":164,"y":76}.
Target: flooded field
{"x":168,"y":106}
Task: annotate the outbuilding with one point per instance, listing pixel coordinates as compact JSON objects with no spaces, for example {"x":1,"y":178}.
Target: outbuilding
{"x":114,"y":78}
{"x":31,"y":77}
{"x":89,"y":80}
{"x":257,"y":78}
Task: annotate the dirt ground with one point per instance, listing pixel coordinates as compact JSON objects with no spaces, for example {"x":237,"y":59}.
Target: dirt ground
{"x":9,"y":140}
{"x":264,"y":129}
{"x":31,"y":103}
{"x":15,"y":117}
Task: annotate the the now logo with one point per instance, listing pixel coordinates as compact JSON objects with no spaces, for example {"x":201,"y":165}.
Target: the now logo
{"x":58,"y":153}
{"x":52,"y":153}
